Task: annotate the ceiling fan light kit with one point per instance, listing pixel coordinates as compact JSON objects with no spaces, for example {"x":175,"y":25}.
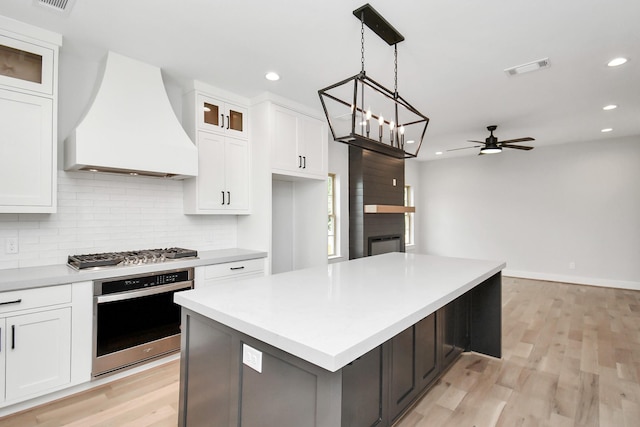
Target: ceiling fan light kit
{"x":363,"y":113}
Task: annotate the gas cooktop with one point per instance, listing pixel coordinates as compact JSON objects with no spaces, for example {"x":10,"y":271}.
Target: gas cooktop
{"x":114,"y":259}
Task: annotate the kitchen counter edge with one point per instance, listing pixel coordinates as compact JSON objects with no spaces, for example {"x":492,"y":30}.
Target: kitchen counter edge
{"x":51,"y":275}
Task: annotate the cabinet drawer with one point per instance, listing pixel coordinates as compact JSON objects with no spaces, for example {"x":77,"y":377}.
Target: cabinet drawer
{"x":230,"y":269}
{"x":34,"y":298}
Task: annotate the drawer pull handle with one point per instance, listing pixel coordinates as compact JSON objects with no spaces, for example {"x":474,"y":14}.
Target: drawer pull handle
{"x":18,"y":301}
{"x":237,"y":268}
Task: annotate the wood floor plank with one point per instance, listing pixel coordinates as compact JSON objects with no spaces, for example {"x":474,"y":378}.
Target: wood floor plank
{"x":571,"y":357}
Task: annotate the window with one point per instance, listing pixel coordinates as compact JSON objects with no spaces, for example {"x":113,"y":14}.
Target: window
{"x":332,"y":245}
{"x":408,"y":217}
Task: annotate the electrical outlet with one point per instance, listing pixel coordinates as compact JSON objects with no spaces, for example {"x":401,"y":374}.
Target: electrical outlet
{"x":572,"y":265}
{"x":12,"y":245}
{"x":252,"y":357}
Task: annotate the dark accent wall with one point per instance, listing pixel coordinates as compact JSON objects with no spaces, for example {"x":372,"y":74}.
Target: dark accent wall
{"x":371,"y":178}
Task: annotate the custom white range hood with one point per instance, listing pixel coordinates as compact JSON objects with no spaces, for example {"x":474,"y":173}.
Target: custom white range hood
{"x":130,"y":127}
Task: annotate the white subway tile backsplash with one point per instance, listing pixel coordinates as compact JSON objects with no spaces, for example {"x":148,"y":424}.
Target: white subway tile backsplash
{"x":105,"y":212}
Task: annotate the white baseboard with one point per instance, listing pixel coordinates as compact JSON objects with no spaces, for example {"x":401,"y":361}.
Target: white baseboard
{"x":591,"y":281}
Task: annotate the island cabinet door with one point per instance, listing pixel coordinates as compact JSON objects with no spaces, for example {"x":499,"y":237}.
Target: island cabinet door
{"x":207,"y":375}
{"x":427,"y":367}
{"x":413,"y":363}
{"x":363,"y":395}
{"x":402,"y":375}
{"x":455,"y":328}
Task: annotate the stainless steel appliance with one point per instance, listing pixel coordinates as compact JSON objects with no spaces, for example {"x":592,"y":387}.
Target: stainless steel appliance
{"x":135,"y":318}
{"x":118,"y":259}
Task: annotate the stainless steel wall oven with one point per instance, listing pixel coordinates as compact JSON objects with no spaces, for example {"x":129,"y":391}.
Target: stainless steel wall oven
{"x":135,"y":318}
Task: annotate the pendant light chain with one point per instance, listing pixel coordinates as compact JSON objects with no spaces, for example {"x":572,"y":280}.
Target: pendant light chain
{"x":395,"y":69}
{"x":362,"y":39}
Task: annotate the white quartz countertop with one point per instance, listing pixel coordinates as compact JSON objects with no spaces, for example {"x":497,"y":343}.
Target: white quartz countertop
{"x":51,"y":275}
{"x":333,"y":314}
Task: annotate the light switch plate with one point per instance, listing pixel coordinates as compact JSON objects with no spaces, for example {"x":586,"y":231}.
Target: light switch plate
{"x":252,"y":357}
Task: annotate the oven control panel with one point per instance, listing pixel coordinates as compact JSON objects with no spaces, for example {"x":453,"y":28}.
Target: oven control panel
{"x":131,"y":283}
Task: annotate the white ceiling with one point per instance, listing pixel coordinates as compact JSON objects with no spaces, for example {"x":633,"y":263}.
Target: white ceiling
{"x":450,"y":67}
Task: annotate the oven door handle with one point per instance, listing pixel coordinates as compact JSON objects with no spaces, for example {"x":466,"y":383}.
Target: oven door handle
{"x":144,"y":292}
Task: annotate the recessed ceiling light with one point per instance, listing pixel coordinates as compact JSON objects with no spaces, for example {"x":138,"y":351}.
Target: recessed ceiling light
{"x":272,"y":76}
{"x":617,"y":61}
{"x":606,"y":130}
{"x":438,"y":153}
{"x":610,"y":107}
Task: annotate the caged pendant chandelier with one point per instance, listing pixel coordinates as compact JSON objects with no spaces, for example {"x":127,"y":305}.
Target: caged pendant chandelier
{"x":363,"y":113}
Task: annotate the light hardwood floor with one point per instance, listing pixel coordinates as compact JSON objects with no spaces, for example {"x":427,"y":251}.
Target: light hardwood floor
{"x":571,"y":357}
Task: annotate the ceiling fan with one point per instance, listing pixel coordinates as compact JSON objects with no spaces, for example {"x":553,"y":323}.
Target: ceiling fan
{"x":492,"y":145}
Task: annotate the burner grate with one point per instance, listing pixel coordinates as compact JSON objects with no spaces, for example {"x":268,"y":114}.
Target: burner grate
{"x":113,"y":259}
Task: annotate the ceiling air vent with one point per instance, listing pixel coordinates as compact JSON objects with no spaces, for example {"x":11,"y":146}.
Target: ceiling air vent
{"x":61,"y":6}
{"x":527,"y":68}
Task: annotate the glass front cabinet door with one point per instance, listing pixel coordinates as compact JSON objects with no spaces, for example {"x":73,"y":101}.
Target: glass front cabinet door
{"x":26,"y":66}
{"x":217,"y":116}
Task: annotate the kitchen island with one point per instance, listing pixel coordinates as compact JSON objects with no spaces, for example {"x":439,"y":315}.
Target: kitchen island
{"x":349,"y":344}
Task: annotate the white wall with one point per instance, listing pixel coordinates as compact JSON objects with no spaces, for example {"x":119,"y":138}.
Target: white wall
{"x":282,"y":226}
{"x":339,"y":165}
{"x":103,"y":212}
{"x":540,"y":211}
{"x":412,"y":179}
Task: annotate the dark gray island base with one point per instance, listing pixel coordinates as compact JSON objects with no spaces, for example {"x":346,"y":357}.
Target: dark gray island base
{"x":217,"y":389}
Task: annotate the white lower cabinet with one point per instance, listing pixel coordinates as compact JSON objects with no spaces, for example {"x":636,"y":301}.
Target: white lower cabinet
{"x":37,"y":352}
{"x":35,"y":342}
{"x":216,"y":274}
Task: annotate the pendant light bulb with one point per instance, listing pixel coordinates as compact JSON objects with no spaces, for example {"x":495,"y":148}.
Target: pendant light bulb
{"x":391,"y":125}
{"x":381,"y":120}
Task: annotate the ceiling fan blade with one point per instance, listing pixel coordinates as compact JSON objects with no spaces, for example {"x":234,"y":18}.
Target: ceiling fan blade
{"x":479,"y":142}
{"x":464,"y":148}
{"x":509,"y":141}
{"x":518,"y":147}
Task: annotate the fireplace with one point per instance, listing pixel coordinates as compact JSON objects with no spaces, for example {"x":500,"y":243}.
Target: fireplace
{"x":383,"y":244}
{"x":374,"y":179}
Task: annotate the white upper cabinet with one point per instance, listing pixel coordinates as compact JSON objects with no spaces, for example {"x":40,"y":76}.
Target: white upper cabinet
{"x":222,"y":185}
{"x":28,"y":118}
{"x":27,"y":66}
{"x":27,"y":160}
{"x":220,"y":131}
{"x":298,"y":145}
{"x":215,"y":115}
